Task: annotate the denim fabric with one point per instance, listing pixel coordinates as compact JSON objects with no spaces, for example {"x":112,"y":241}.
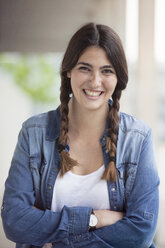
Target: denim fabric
{"x":32,"y":175}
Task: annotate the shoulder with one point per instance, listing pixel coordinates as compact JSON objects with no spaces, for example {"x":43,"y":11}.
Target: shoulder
{"x":42,"y":120}
{"x":133,"y":137}
{"x":129,"y":123}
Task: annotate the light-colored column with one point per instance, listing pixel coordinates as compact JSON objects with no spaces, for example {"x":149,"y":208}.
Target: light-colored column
{"x":146,"y":98}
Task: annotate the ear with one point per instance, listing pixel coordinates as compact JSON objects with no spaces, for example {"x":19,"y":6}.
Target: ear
{"x":68,"y":74}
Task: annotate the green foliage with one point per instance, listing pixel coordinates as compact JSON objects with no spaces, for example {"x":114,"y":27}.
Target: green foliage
{"x":35,"y":75}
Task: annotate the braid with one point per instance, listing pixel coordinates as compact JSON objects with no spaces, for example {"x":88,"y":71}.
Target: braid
{"x":111,"y":142}
{"x":66,"y":161}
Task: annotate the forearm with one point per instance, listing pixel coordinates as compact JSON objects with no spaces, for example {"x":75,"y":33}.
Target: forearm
{"x":107,"y":217}
{"x":128,"y":232}
{"x":30,"y":225}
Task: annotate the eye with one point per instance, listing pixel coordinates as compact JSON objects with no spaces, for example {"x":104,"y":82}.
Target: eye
{"x":84,"y":68}
{"x":107,"y":71}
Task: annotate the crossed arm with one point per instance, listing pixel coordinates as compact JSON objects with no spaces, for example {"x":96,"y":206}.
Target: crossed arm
{"x":135,"y":228}
{"x":106,"y":217}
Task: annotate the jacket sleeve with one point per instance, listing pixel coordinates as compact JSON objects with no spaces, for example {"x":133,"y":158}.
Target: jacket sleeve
{"x":25,"y":224}
{"x":138,"y":227}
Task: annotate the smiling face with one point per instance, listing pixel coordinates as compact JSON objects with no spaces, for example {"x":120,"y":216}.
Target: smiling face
{"x":93,"y":79}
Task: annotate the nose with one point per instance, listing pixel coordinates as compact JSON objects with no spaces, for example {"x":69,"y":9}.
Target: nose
{"x":95,"y":79}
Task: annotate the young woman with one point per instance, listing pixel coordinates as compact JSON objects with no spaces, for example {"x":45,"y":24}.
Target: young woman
{"x":84,"y":175}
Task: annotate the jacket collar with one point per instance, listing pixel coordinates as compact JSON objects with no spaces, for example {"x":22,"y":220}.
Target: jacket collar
{"x":53,"y":127}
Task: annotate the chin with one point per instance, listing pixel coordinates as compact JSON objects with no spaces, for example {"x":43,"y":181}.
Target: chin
{"x":94,"y":107}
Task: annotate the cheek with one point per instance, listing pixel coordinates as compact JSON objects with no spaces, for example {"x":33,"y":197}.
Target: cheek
{"x":110,"y":85}
{"x":75,"y":83}
{"x":77,"y":80}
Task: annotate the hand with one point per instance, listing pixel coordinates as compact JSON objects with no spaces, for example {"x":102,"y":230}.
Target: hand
{"x":47,"y":245}
{"x":107,"y":217}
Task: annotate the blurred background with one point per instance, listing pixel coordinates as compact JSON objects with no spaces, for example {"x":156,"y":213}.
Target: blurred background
{"x":33,"y":37}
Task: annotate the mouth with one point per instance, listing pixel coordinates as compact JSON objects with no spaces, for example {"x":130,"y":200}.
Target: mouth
{"x":93,"y":93}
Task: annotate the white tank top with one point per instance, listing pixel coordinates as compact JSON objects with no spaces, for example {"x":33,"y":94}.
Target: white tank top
{"x":81,"y":190}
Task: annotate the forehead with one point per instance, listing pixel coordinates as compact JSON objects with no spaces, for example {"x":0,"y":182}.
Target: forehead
{"x":94,"y":54}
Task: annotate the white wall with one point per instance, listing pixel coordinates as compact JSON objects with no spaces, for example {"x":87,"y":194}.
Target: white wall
{"x":15,"y":107}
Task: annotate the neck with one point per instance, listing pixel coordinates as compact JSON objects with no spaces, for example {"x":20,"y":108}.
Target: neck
{"x":86,"y":123}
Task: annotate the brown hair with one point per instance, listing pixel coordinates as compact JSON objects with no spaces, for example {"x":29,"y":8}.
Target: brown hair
{"x":104,"y":37}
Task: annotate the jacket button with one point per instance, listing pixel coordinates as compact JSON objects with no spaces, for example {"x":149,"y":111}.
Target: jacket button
{"x":115,"y":207}
{"x":49,"y":187}
{"x":113,"y":189}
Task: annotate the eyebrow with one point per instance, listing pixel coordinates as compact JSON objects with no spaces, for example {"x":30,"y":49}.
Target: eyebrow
{"x":89,"y":65}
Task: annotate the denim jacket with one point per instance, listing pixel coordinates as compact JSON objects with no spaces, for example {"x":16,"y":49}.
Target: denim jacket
{"x":34,"y":168}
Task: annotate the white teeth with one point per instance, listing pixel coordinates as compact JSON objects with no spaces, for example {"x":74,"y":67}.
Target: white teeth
{"x":92,"y":93}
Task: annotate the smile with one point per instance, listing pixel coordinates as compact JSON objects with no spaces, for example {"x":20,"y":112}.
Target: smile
{"x":93,"y":93}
